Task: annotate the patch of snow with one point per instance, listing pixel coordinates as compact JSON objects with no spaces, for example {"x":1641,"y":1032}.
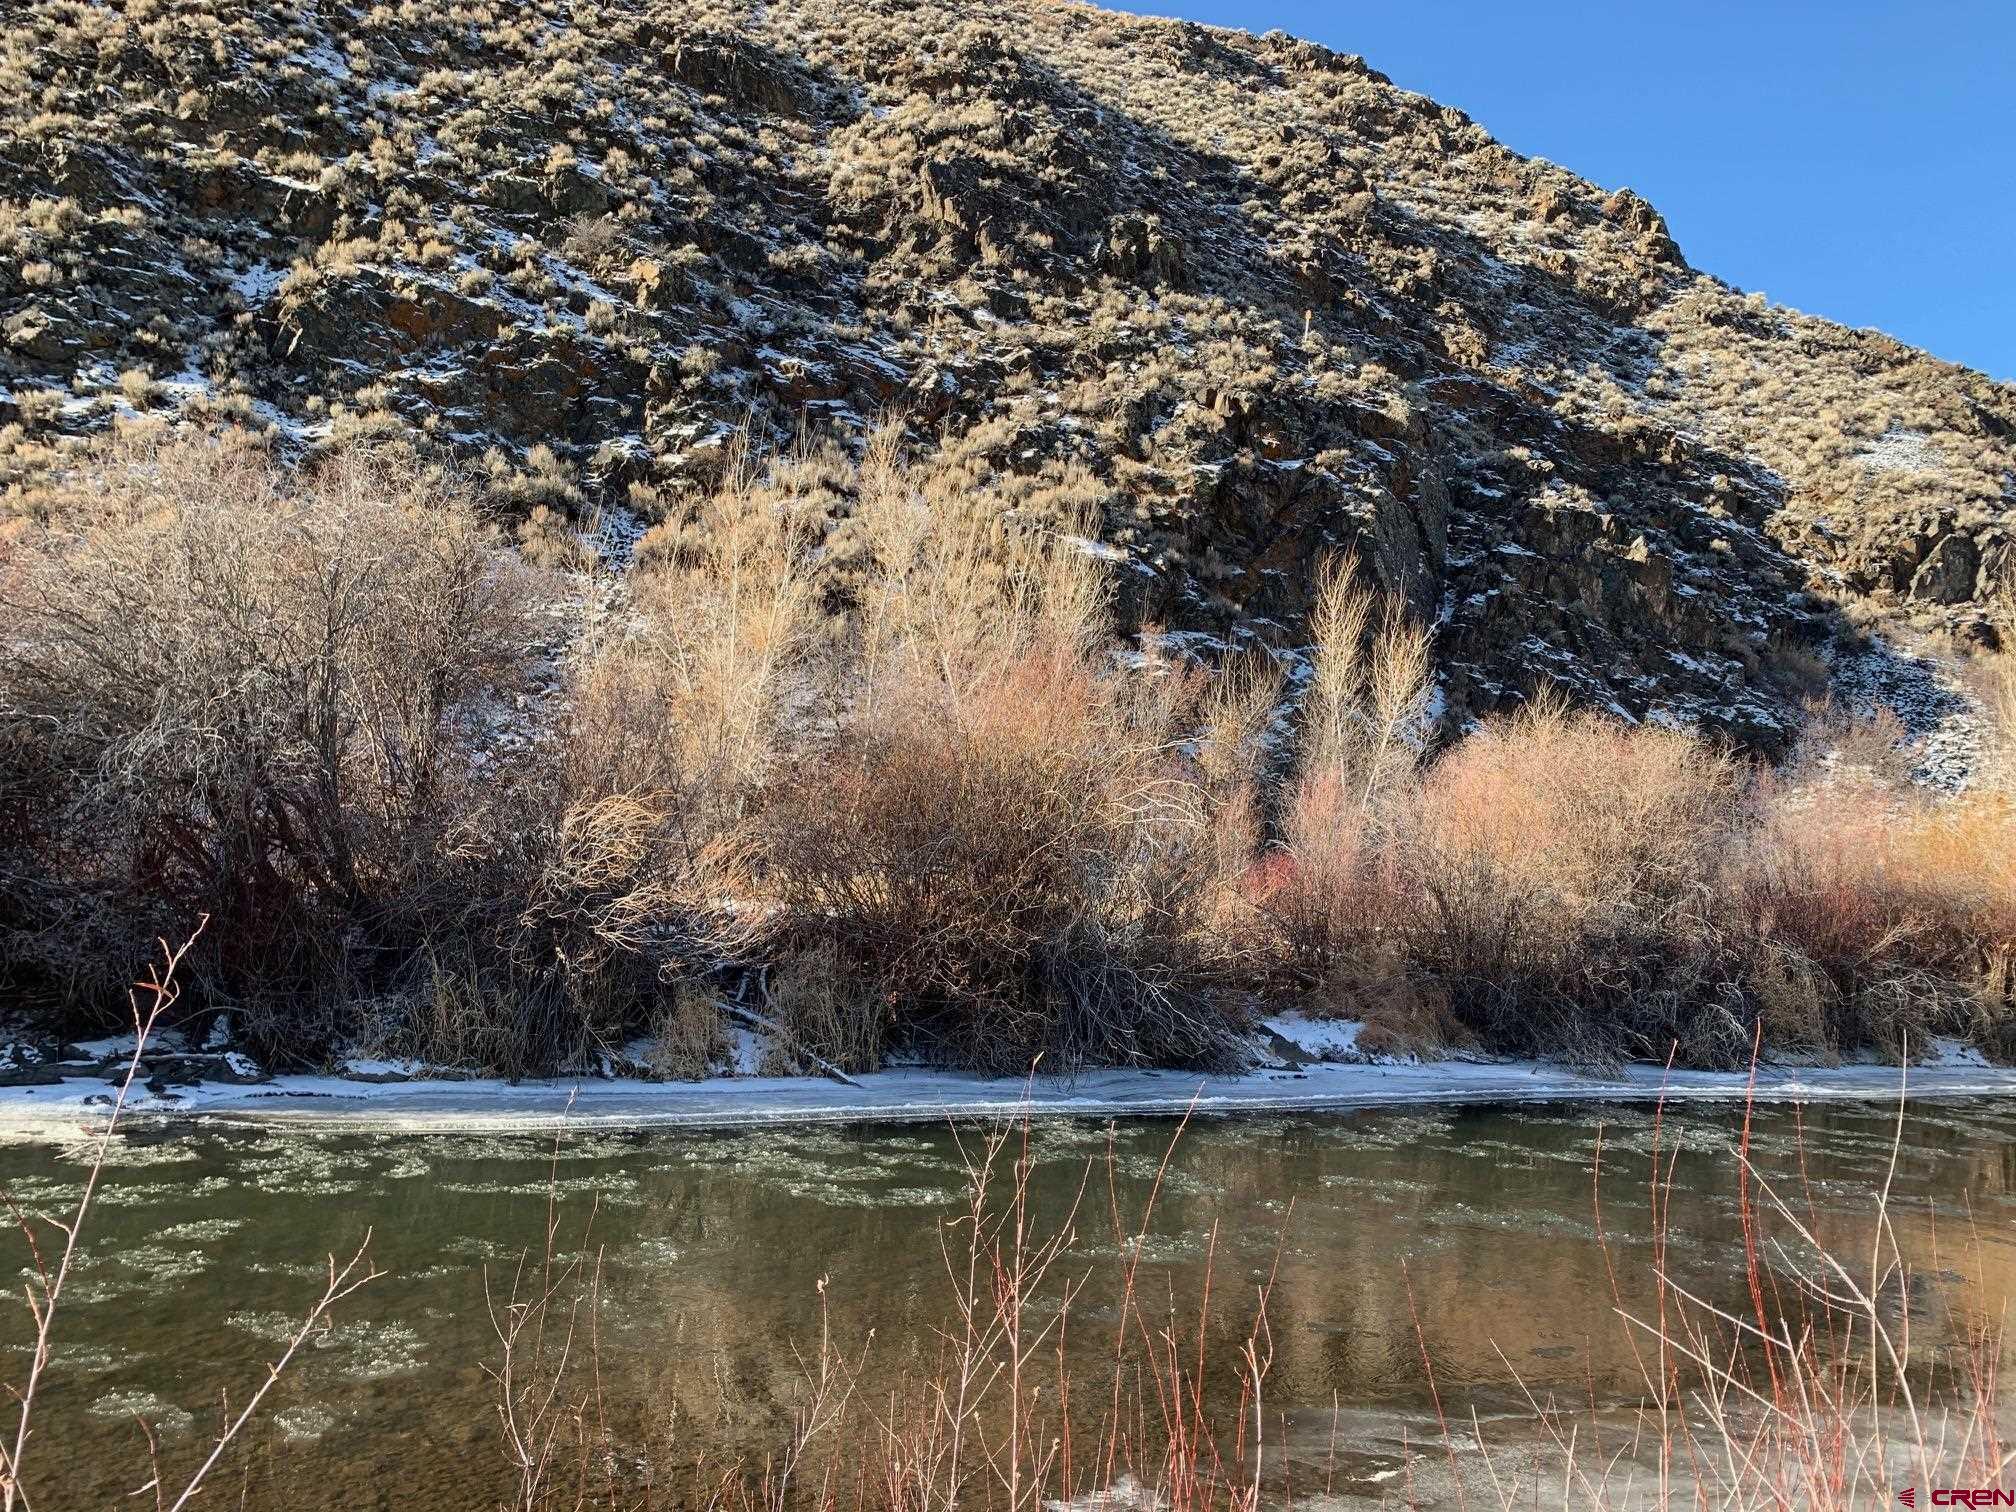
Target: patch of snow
{"x":1319,"y":1039}
{"x":1898,"y":450}
{"x":323,"y":59}
{"x":1125,"y":1495}
{"x":187,"y":385}
{"x":1103,"y":550}
{"x":388,"y":1071}
{"x":933,"y":1096}
{"x":258,"y":283}
{"x":747,"y":1049}
{"x":614,"y":535}
{"x":1945,"y":722}
{"x":1953,"y":1053}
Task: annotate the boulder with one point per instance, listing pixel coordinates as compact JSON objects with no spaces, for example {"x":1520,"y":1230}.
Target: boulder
{"x":1948,"y":573}
{"x":1139,"y":249}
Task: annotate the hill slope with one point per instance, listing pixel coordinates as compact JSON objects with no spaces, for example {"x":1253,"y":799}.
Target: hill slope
{"x":1239,"y":295}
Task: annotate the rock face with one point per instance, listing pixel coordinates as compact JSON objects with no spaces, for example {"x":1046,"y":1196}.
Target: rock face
{"x":1240,"y":294}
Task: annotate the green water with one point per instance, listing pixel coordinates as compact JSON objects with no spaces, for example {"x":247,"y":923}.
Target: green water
{"x":207,"y":1243}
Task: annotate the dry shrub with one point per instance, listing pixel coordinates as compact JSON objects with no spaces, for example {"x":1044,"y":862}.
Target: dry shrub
{"x":2001,"y":684}
{"x":1798,"y":1005}
{"x":1565,"y":885}
{"x":825,"y":1012}
{"x":1239,"y":711}
{"x":718,"y":666}
{"x":1546,"y":887}
{"x":1010,"y":876}
{"x":1002,"y":839}
{"x":1368,"y":687}
{"x":1567,"y":869}
{"x":1402,"y":1017}
{"x":1904,"y":906}
{"x":548,"y":539}
{"x":868,"y":725}
{"x":688,"y":1038}
{"x":597,"y":867}
{"x":58,"y":942}
{"x":958,"y":589}
{"x":1797,"y":669}
{"x":1333,"y":894}
{"x":247,"y":688}
{"x":2002,"y":706}
{"x":561,"y":908}
{"x":1872,"y":748}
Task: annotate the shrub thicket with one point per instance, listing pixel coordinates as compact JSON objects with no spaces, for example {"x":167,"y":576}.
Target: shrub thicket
{"x":1562,"y":884}
{"x":864,"y":738}
{"x":1001,"y":838}
{"x":245,"y":693}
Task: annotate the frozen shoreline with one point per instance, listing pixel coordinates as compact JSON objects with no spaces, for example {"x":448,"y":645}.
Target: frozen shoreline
{"x":909,"y":1096}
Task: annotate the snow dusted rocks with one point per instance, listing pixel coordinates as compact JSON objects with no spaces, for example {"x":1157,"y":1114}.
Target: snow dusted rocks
{"x":24,"y":1063}
{"x":1239,"y":298}
{"x":1943,"y":720}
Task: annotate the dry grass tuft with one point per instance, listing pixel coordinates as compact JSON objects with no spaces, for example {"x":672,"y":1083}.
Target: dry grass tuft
{"x":826,"y":1013}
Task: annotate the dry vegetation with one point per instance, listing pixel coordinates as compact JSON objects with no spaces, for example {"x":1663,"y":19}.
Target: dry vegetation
{"x":866,"y":738}
{"x":1814,"y":1395}
{"x":1563,"y":885}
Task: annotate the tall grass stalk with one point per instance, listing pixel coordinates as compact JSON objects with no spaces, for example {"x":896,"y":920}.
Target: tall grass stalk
{"x":1815,"y":1398}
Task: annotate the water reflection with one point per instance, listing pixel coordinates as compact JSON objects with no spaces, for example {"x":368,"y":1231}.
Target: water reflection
{"x":210,"y":1242}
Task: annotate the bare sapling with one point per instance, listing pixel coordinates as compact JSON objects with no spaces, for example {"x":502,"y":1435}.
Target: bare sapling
{"x":1813,"y":1395}
{"x":150,"y":999}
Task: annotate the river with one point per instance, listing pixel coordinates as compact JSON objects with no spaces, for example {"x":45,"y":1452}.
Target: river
{"x":1470,"y":1235}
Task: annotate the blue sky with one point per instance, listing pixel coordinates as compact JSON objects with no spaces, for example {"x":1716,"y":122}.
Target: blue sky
{"x":1854,"y":159}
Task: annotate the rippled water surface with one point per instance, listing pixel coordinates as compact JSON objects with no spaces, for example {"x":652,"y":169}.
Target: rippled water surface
{"x":209,"y":1241}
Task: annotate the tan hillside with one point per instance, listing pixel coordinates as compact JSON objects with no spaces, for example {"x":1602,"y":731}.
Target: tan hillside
{"x":1240,"y":296}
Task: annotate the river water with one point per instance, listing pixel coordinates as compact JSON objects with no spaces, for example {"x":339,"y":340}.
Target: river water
{"x":1473,"y":1232}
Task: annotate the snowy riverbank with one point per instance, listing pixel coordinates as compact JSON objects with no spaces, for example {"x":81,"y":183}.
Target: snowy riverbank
{"x":926,"y":1095}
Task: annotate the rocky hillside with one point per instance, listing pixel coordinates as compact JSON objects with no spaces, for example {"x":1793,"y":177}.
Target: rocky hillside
{"x":1238,"y":296}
